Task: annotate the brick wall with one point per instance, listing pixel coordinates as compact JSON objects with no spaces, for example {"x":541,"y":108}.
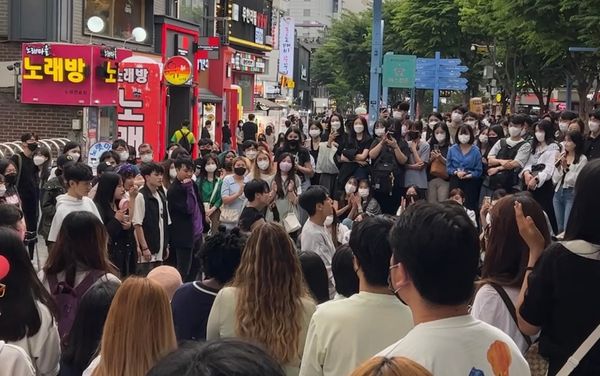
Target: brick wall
{"x":3,"y":18}
{"x":9,"y":51}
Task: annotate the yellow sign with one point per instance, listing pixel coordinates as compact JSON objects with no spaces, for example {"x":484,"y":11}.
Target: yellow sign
{"x":498,"y":98}
{"x":55,"y":67}
{"x":291,"y":84}
{"x":178,"y":70}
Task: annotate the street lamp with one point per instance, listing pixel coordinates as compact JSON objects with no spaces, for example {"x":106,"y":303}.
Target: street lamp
{"x":138,"y":34}
{"x":569,"y":100}
{"x":95,"y":25}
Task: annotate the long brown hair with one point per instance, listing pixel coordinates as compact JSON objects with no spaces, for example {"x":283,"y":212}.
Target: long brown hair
{"x":82,"y":243}
{"x":138,"y":331}
{"x":256,"y":171}
{"x":270,"y":287}
{"x":397,"y":366}
{"x":506,"y":253}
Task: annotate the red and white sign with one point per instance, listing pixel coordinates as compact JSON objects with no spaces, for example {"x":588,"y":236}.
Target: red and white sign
{"x":139,"y":109}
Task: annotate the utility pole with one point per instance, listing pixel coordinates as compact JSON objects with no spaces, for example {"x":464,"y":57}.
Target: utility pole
{"x":376,"y":56}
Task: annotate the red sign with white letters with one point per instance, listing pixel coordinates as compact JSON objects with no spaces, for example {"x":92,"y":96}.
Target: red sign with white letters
{"x":139,"y":108}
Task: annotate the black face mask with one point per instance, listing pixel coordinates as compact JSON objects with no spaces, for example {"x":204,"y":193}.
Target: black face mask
{"x":492,"y":141}
{"x":32,"y":147}
{"x":239,"y":171}
{"x":293,"y":143}
{"x":11,"y":179}
{"x":204,"y":152}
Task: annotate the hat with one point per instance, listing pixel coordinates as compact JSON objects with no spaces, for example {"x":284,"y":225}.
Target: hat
{"x":167,"y":277}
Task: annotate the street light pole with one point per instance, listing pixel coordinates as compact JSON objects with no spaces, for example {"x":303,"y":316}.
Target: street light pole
{"x":376,"y":54}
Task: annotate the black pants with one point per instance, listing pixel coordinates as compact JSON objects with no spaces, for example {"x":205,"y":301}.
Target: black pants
{"x":544,"y":195}
{"x":29,"y":205}
{"x":125,"y":259}
{"x":471,"y":187}
{"x":188,"y":262}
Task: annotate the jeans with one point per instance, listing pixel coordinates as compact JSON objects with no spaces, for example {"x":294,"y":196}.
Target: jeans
{"x":563,"y":202}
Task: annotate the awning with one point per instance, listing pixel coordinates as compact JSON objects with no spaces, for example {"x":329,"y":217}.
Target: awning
{"x":209,"y":97}
{"x":264,"y":104}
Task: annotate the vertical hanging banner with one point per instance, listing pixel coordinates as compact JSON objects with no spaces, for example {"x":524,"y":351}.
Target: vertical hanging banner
{"x":139,"y":108}
{"x":286,"y":46}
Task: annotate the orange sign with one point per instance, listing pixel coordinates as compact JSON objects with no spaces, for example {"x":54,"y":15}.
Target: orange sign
{"x":178,"y":70}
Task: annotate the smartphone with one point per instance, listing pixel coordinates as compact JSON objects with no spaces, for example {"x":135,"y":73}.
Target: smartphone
{"x":487,"y":200}
{"x":436,"y":147}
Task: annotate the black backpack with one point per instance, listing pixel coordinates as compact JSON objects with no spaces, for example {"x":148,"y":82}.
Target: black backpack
{"x":508,"y":180}
{"x":382,"y":173}
{"x":185,"y":142}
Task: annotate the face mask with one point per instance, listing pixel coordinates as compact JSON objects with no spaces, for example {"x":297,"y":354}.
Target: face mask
{"x":328,"y":220}
{"x":432,"y":124}
{"x":540,"y":136}
{"x":293,"y":143}
{"x":75,"y":156}
{"x":359,"y":128}
{"x":251,"y":154}
{"x":563,"y":127}
{"x":32,"y":147}
{"x":483,"y":139}
{"x":239,"y":171}
{"x":404,"y":130}
{"x":39,"y":160}
{"x":2,"y":190}
{"x":398,"y":114}
{"x":146,"y":158}
{"x":335,"y":125}
{"x":285,"y":166}
{"x":263,"y":165}
{"x":204,"y":152}
{"x":492,"y":140}
{"x":514,"y":131}
{"x":363,"y":192}
{"x":11,"y":179}
{"x":379,"y":132}
{"x":471,"y":123}
{"x":464,"y":138}
{"x":314,"y":133}
{"x":569,"y":146}
{"x":123,"y":156}
{"x":210,"y":167}
{"x":456,"y":117}
{"x":350,"y":188}
{"x":440,"y":137}
{"x":594,"y":126}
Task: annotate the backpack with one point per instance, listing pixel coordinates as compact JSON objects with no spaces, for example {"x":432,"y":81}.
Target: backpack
{"x":184,"y":142}
{"x":508,"y":180}
{"x":382,"y":174}
{"x":67,"y":300}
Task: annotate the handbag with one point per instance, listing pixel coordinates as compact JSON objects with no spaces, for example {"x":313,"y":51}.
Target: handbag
{"x":538,"y":365}
{"x":438,"y":169}
{"x":325,"y":160}
{"x":210,"y":202}
{"x":229,"y":215}
{"x":291,"y":223}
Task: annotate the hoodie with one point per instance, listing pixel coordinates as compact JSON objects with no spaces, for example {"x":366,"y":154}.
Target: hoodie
{"x":66,"y":204}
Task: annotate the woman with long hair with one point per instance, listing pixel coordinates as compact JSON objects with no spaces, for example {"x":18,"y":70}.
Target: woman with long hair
{"x":355,"y":154}
{"x":287,"y":188}
{"x":293,"y":145}
{"x":558,"y":298}
{"x":209,"y":186}
{"x":129,"y":346}
{"x":9,"y":173}
{"x":334,"y":137}
{"x":43,"y":160}
{"x":504,"y":265}
{"x":26,"y":308}
{"x":367,"y":205}
{"x":268,"y":301}
{"x":347,"y":200}
{"x":396,"y":366}
{"x":168,"y":166}
{"x":313,"y":143}
{"x":121,"y":246}
{"x":439,"y":142}
{"x":263,"y":168}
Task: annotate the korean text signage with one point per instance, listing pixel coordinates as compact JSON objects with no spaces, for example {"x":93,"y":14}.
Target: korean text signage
{"x":178,"y":70}
{"x":138,"y":112}
{"x":249,"y":23}
{"x":246,"y":62}
{"x":286,"y":46}
{"x":70,"y":74}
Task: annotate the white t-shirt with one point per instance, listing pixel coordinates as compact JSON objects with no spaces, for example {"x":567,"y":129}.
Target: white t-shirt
{"x":345,"y":333}
{"x":315,"y":238}
{"x":459,"y":346}
{"x":14,"y":361}
{"x":139,"y":213}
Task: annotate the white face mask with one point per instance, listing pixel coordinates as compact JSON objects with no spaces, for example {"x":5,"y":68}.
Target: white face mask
{"x":146,"y":158}
{"x":464,"y":138}
{"x":404,"y":130}
{"x":314,"y":133}
{"x":75,"y":156}
{"x":471,"y":123}
{"x":359,"y":128}
{"x":540,"y":136}
{"x":514,"y":131}
{"x":335,"y":125}
{"x":440,"y":137}
{"x":123,"y":156}
{"x":263,"y":165}
{"x":328,"y":220}
{"x":2,"y":190}
{"x":173,"y":173}
{"x":483,"y":139}
{"x":363,"y":192}
{"x":379,"y":132}
{"x":398,"y":115}
{"x":350,"y":188}
{"x":432,"y":124}
{"x":564,"y":126}
{"x":251,"y":154}
{"x":39,"y":160}
{"x":285,"y":166}
{"x":456,"y":117}
{"x":594,"y":126}
{"x":210,"y":167}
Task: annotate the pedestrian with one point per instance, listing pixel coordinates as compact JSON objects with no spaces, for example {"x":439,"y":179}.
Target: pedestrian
{"x":205,"y":146}
{"x":557,"y":278}
{"x":433,"y":119}
{"x":456,"y":120}
{"x":592,"y":142}
{"x":109,"y":157}
{"x":168,"y":278}
{"x":258,"y":194}
{"x":376,"y":316}
{"x":270,"y":136}
{"x":27,"y":319}
{"x":220,"y":255}
{"x":8,"y":176}
{"x":354,"y":157}
{"x":344,"y":275}
{"x":315,"y":276}
{"x":226,"y":136}
{"x":504,"y":264}
{"x":267,"y":288}
{"x":209,"y":185}
{"x":187,"y":219}
{"x":312,"y":143}
{"x":564,"y":120}
{"x":396,"y":366}
{"x":434,"y":263}
{"x":263,"y":168}
{"x":314,"y":236}
{"x":458,"y":195}
{"x":340,"y":233}
{"x":11,"y":216}
{"x":184,"y":137}
{"x":249,"y":149}
{"x":121,"y":147}
{"x":538,"y":171}
{"x":465,"y":166}
{"x":151,"y":219}
{"x":438,"y":188}
{"x":78,"y":177}
{"x":250,"y":129}
{"x":43,"y":160}
{"x":418,"y":157}
{"x":239,"y":134}
{"x":15,"y":361}
{"x":328,"y":162}
{"x":232,"y":194}
{"x":129,"y":346}
{"x":367,"y":205}
{"x":146,"y":153}
{"x":568,"y":165}
{"x":347,"y":201}
{"x":287,"y":187}
{"x":293,"y":146}
{"x":122,"y":248}
{"x":205,"y":133}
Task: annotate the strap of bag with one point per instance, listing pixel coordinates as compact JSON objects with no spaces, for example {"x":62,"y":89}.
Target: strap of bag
{"x":580,"y":353}
{"x":88,"y":281}
{"x":511,"y":308}
{"x":19,"y":169}
{"x":214,"y":192}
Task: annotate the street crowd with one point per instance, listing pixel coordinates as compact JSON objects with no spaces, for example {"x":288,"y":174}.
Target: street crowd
{"x":456,"y":244}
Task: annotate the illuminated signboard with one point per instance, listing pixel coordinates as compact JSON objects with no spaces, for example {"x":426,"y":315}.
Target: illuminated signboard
{"x":251,"y":20}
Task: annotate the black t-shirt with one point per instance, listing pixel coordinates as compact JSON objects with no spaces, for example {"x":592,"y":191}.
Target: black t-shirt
{"x":226,"y":135}
{"x":249,"y":130}
{"x":563,"y":299}
{"x":191,"y":306}
{"x":248,"y":217}
{"x":28,"y":185}
{"x":592,"y":148}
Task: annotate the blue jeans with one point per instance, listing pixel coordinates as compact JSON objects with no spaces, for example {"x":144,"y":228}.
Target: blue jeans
{"x":563,"y":202}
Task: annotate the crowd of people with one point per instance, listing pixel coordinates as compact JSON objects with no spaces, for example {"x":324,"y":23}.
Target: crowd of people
{"x":457,"y":244}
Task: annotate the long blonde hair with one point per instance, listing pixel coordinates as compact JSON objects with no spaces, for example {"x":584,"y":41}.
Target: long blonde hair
{"x":270,"y":286}
{"x":256,"y":172}
{"x":138,"y":330}
{"x":397,"y":366}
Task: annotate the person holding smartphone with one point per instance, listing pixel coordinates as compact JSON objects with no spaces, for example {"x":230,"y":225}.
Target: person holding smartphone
{"x":418,"y":158}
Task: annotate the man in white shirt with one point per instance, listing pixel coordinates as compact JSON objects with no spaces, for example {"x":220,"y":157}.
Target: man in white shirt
{"x":344,"y":333}
{"x":314,"y":236}
{"x":434,"y":264}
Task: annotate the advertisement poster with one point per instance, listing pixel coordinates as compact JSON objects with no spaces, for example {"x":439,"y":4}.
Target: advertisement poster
{"x":286,"y":46}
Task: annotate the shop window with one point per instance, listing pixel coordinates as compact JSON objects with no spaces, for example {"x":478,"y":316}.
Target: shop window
{"x":120,"y":16}
{"x":192,"y":10}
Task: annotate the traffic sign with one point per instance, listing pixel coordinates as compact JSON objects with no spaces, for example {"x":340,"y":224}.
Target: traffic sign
{"x":399,"y":71}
